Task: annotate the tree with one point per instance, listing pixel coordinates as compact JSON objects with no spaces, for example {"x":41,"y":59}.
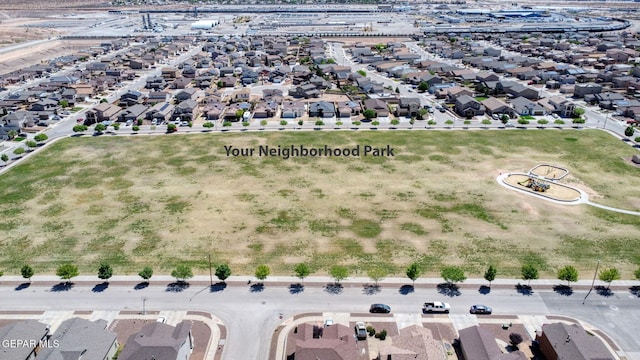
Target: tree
{"x":338,"y":273}
{"x":515,"y":339}
{"x":302,"y":270}
{"x":262,"y":271}
{"x":80,"y":128}
{"x":27,"y":272}
{"x":146,"y":273}
{"x":377,"y":274}
{"x":629,"y":131}
{"x":239,"y":114}
{"x":135,"y":128}
{"x":422,"y":113}
{"x":453,"y":274}
{"x":105,"y":272}
{"x":99,"y":128}
{"x":413,"y":272}
{"x":568,"y":273}
{"x":362,"y":72}
{"x":64,"y":103}
{"x":171,"y":127}
{"x":423,"y":86}
{"x":529,"y":272}
{"x":103,"y":100}
{"x":504,"y":118}
{"x":40,"y":137}
{"x":490,"y":274}
{"x":578,"y":112}
{"x":608,"y":275}
{"x":4,"y":157}
{"x":397,"y":90}
{"x":19,"y":151}
{"x":31,"y":143}
{"x":207,"y":124}
{"x":223,"y":271}
{"x":67,"y":272}
{"x":369,"y":114}
{"x":182,"y":273}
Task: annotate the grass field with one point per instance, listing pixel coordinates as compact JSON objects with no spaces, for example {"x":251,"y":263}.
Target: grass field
{"x":164,"y":200}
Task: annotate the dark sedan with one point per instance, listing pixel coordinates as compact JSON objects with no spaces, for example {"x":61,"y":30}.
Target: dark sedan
{"x":380,"y":308}
{"x":480,"y":309}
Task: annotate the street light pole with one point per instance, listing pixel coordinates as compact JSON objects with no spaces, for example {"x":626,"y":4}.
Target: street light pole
{"x":593,"y":282}
{"x":144,"y":310}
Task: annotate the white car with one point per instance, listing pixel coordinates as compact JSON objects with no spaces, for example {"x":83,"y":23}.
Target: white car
{"x":361,"y":330}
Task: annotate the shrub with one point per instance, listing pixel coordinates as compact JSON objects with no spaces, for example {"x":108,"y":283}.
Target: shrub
{"x":543,"y":121}
{"x":431,"y":122}
{"x":559,"y":122}
{"x":486,"y":122}
{"x":357,"y":123}
{"x":382,"y":334}
{"x":375,"y":123}
{"x":467,"y":122}
{"x":246,"y":123}
{"x":338,"y":123}
{"x":371,"y":330}
{"x":449,"y":122}
{"x":578,"y":120}
{"x":263,"y":122}
{"x":226,"y":123}
{"x":395,"y":122}
{"x":207,"y":124}
{"x":523,"y":121}
{"x":135,"y":128}
{"x":283,"y":122}
{"x":319,"y":123}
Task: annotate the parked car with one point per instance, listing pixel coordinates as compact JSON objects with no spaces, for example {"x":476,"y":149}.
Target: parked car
{"x":361,"y":330}
{"x":480,"y":309}
{"x":380,"y":308}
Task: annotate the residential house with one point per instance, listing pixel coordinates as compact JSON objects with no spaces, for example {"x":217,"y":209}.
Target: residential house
{"x":487,"y":76}
{"x":323,"y":109}
{"x":228,"y":81}
{"x":130,"y":98}
{"x":103,"y":112}
{"x":169,"y":73}
{"x":335,"y":342}
{"x":265,"y":109}
{"x":346,"y":109}
{"x":47,"y":105}
{"x":213,"y":110}
{"x":160,"y":112}
{"x":478,"y":343}
{"x":160,"y":341}
{"x":452,"y":93}
{"x":524,"y":106}
{"x":155,"y":82}
{"x":580,"y":90}
{"x":33,"y":335}
{"x":274,"y":95}
{"x":133,"y":113}
{"x":292,"y":109}
{"x":180,"y":83}
{"x":498,"y":107}
{"x":571,"y":341}
{"x":559,"y":105}
{"x":78,"y":338}
{"x":187,"y":94}
{"x":521,"y":90}
{"x":157,"y":97}
{"x":378,"y":106}
{"x":185,"y":110}
{"x":243,"y":94}
{"x":468,"y":107}
{"x":413,"y":342}
{"x":304,"y":91}
{"x":408,"y":107}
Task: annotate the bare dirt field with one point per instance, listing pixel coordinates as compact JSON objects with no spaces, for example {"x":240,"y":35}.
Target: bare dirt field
{"x":163,"y":200}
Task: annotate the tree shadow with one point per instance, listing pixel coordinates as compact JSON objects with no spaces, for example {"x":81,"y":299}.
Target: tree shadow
{"x":371,"y":289}
{"x":484,"y":290}
{"x":603,"y":291}
{"x":406,"y":289}
{"x":563,"y":290}
{"x":296,"y":288}
{"x":217,"y":287}
{"x":635,"y":290}
{"x":178,"y":286}
{"x":141,"y":285}
{"x":23,"y":286}
{"x":334,"y":288}
{"x":100,"y":287}
{"x":524,"y":289}
{"x":63,"y":286}
{"x":449,"y":289}
{"x":256,"y":288}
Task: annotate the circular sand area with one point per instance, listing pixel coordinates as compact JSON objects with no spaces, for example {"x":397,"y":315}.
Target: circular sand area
{"x":556,"y":191}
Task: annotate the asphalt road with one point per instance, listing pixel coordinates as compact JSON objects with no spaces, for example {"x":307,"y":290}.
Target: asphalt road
{"x":256,"y":314}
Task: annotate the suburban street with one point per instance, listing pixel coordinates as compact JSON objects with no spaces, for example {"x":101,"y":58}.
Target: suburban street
{"x":254,"y":313}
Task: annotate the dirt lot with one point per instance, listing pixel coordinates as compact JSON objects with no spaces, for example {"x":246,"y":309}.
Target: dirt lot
{"x":164,"y":200}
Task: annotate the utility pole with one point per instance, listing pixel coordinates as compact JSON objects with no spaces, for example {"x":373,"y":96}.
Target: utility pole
{"x":144,"y":310}
{"x":593,"y":282}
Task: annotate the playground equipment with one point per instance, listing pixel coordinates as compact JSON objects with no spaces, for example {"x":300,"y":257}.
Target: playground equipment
{"x":535,"y":184}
